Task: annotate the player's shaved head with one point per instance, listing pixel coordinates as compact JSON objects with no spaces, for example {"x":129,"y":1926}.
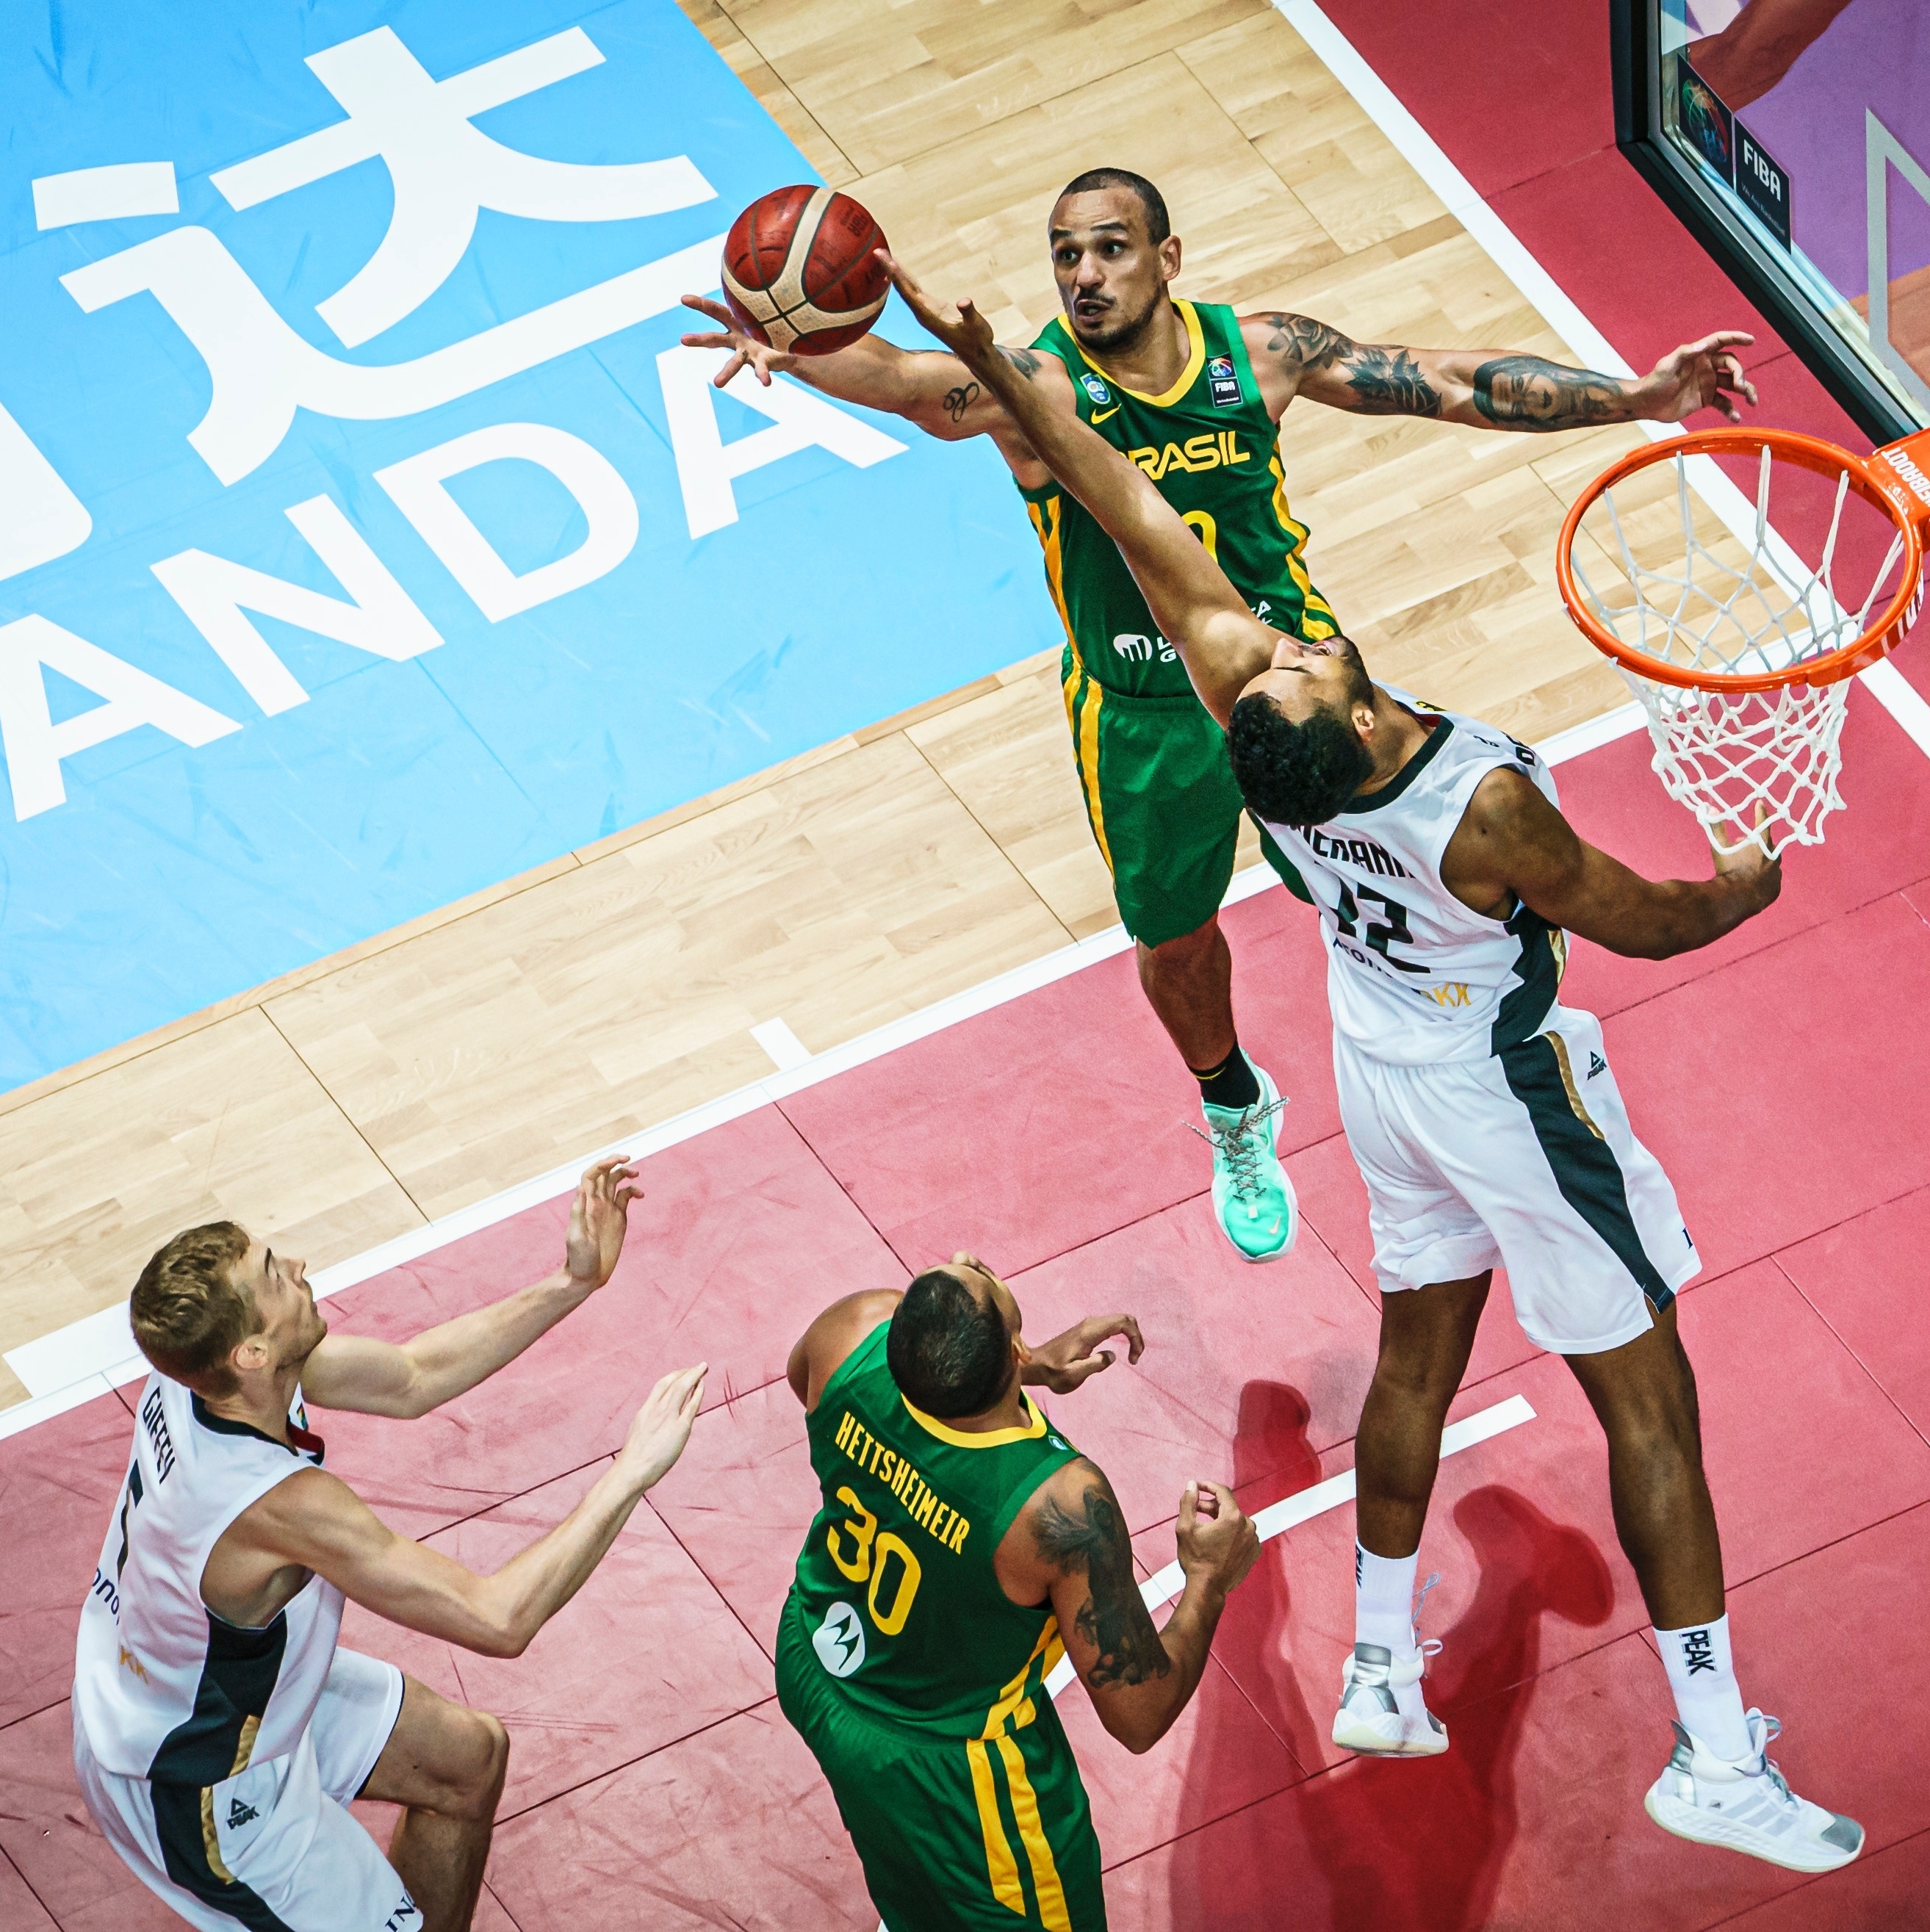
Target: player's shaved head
{"x":1151,"y":201}
{"x":949,"y":1350}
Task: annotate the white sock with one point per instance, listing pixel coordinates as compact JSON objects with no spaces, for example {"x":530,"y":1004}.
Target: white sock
{"x":1384,"y":1601}
{"x":1702,"y":1674}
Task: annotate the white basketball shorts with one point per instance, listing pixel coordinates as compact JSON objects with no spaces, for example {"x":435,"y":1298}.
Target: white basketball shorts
{"x":1526,"y":1161}
{"x":276,"y":1846}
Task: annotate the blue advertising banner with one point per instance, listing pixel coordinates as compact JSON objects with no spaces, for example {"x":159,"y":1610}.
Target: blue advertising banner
{"x":366,"y":538}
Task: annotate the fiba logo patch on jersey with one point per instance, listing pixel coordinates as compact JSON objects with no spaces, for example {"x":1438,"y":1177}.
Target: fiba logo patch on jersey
{"x":840,"y":1640}
{"x":1101,"y":394}
{"x":1222,"y":382}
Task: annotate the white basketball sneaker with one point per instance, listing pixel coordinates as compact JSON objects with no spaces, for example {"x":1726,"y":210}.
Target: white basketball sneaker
{"x":1382,"y":1713}
{"x":1748,"y":1806}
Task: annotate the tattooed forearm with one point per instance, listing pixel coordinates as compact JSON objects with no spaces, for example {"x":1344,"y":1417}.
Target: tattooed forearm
{"x":1525,"y":392}
{"x":1022,"y":360}
{"x":957,"y":401}
{"x":1092,"y":1541}
{"x":1384,"y":381}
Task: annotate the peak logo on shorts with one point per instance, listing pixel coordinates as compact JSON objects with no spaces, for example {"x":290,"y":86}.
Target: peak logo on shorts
{"x":1222,"y":382}
{"x":840,"y":1640}
{"x":1101,"y":394}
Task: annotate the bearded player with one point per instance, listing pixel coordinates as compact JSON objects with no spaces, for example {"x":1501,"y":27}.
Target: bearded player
{"x":1194,"y":395}
{"x":1482,"y":1113}
{"x":963,"y":1547}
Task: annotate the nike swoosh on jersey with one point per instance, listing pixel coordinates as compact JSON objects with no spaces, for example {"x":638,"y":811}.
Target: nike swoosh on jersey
{"x":1102,"y":414}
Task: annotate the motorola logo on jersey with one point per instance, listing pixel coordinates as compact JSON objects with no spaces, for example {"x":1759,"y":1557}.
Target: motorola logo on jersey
{"x":840,"y":1640}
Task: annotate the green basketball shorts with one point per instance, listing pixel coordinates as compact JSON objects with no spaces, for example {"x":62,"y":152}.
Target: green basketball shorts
{"x":1161,"y":801}
{"x":956,"y":1834}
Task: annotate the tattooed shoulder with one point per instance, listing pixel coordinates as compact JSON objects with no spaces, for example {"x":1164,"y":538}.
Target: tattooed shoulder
{"x":1023,"y":360}
{"x":1305,"y":344}
{"x":1089,"y":1539}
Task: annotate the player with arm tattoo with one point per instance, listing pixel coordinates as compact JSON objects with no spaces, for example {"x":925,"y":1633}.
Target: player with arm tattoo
{"x":962,"y":1547}
{"x":1483,"y":1113}
{"x":1193,"y":394}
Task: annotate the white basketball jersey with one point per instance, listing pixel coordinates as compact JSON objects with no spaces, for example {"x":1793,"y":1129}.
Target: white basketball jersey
{"x":1413,"y":976}
{"x":164,"y":1688}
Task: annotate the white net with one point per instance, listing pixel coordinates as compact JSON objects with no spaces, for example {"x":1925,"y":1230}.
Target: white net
{"x":1707,"y":595}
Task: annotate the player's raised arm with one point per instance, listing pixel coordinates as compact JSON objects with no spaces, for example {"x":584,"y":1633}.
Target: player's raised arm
{"x":316,"y":1521}
{"x":1223,"y":645}
{"x":410,"y":1378}
{"x":1139,"y":1678}
{"x":1513,"y":845}
{"x":936,"y":392}
{"x":1296,"y":355}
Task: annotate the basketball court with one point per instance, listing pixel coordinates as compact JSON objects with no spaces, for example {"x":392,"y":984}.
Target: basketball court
{"x":860,"y":1002}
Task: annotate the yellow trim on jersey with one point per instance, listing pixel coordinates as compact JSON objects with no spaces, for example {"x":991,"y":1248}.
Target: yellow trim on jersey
{"x":990,"y":1439}
{"x":1195,"y":360}
{"x":1048,"y":542}
{"x":1001,"y":1866}
{"x":1085,"y":747}
{"x":1317,"y":619}
{"x":1013,"y":1701}
{"x":1052,"y":1913}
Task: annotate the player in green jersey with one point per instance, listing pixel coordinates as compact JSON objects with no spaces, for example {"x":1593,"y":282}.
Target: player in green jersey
{"x":1193,"y":394}
{"x":964,"y":1546}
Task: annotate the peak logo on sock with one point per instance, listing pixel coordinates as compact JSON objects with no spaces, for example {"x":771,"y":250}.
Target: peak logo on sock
{"x":1698,"y":1652}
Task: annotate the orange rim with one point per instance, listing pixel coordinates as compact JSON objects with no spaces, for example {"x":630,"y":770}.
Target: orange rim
{"x":1808,"y":452}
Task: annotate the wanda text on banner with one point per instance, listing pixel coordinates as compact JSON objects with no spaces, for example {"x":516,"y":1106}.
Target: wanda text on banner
{"x":366,"y":538}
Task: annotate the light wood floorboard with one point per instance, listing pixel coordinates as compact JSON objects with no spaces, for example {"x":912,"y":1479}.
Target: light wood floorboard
{"x":437,"y":1063}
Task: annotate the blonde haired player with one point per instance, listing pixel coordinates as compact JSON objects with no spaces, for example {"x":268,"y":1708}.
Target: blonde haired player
{"x":219,"y":1732}
{"x":1482,"y":1113}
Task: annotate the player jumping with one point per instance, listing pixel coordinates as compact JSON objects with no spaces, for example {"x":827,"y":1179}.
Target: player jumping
{"x":963,"y":1546}
{"x":1194,"y":395}
{"x":219,"y":1732}
{"x":1483,"y":1113}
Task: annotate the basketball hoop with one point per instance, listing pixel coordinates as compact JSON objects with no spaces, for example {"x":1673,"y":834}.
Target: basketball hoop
{"x":1740,"y":637}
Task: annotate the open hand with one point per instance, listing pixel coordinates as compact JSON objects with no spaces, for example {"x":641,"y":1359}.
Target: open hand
{"x":1218,"y":1541}
{"x":958,"y":325}
{"x":746,"y":351}
{"x":1068,"y":1360}
{"x":661,"y":1427}
{"x":1698,"y":376}
{"x":599,"y":1219}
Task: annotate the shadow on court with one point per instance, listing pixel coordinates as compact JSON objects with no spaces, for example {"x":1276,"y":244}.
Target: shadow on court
{"x":1370,"y":1844}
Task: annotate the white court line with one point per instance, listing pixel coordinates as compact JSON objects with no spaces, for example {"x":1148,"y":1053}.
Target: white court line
{"x":1306,"y":1504}
{"x":786,"y":1050}
{"x":71,"y":1364}
{"x":101,"y":1345}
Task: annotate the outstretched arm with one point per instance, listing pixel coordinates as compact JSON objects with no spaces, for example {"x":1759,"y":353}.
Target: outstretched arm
{"x":314,"y":1521}
{"x":410,"y":1378}
{"x":1223,"y":645}
{"x":1294,"y":355}
{"x":1072,"y":1539}
{"x":937,"y":392}
{"x":1513,"y":845}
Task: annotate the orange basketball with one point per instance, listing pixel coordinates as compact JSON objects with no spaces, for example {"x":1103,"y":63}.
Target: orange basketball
{"x":799,"y":271}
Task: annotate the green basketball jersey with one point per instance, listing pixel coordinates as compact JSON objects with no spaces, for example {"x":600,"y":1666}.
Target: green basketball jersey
{"x":1214,"y":452}
{"x":895,"y":1587}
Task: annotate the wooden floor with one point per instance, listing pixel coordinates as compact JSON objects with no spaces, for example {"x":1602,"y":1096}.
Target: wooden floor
{"x":438,"y":1064}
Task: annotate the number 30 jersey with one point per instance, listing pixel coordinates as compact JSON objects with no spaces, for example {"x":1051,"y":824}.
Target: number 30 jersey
{"x":1413,"y":976}
{"x":895,"y":1590}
